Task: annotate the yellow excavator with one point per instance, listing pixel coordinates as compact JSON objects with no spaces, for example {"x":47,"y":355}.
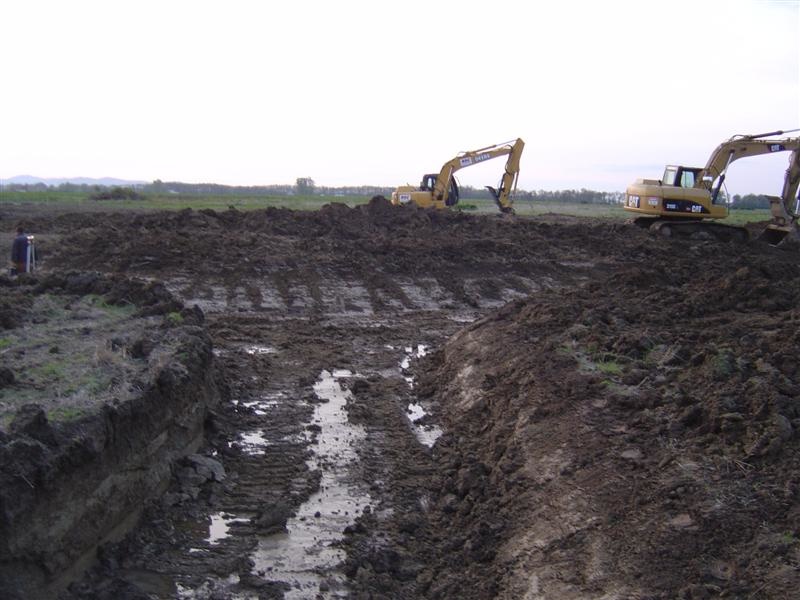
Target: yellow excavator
{"x":441,"y":190}
{"x":686,"y":200}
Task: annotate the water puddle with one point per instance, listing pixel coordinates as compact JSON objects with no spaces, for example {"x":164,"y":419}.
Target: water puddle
{"x":260,"y":350}
{"x":425,"y":432}
{"x":306,"y":556}
{"x":253,"y":443}
{"x":463,"y":318}
{"x":219,"y":528}
{"x":419,"y":352}
{"x":208,"y":590}
{"x":260,"y":406}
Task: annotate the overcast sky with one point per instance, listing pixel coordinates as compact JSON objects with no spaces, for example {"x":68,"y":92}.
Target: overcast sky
{"x":354,"y":92}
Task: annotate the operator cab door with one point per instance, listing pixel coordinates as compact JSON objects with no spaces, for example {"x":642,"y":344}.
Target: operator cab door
{"x":429,"y":183}
{"x":680,"y":177}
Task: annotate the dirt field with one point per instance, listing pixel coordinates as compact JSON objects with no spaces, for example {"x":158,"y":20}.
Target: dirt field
{"x":439,"y":405}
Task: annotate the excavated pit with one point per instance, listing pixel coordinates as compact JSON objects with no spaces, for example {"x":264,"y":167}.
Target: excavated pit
{"x":533,"y":408}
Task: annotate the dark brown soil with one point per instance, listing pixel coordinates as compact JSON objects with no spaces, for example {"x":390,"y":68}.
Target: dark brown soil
{"x":620,"y":411}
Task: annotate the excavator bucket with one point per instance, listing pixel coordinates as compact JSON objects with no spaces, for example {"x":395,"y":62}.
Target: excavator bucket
{"x":783,"y":225}
{"x":773,"y":236}
{"x":776,"y":235}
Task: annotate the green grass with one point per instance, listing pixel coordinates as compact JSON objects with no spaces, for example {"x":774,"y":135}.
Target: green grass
{"x":609,"y":367}
{"x":80,"y":199}
{"x":178,"y":201}
{"x":115,"y":311}
{"x":64,"y":413}
{"x":50,"y":370}
{"x":741,"y":217}
{"x":788,"y":538}
{"x":174,"y":318}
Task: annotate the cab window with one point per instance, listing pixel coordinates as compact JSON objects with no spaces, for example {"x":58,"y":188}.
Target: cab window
{"x":687,"y":179}
{"x":669,"y":176}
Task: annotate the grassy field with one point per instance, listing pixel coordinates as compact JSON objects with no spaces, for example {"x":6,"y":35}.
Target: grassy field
{"x":173,"y":201}
{"x":61,"y":201}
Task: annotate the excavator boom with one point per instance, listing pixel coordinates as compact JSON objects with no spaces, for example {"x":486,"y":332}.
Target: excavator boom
{"x":737,"y":147}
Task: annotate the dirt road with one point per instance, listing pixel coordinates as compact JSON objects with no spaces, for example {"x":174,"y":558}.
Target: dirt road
{"x":436,"y":405}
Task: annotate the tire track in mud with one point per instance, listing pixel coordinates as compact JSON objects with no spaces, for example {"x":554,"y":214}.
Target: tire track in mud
{"x":353,"y":302}
{"x":255,"y":535}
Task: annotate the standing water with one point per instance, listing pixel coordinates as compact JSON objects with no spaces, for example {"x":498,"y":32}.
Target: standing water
{"x":426,"y":433}
{"x":305,"y":556}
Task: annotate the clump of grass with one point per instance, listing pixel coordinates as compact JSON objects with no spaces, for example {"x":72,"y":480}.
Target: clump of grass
{"x":112,"y":310}
{"x":723,"y":363}
{"x":65,"y":413}
{"x":51,"y":370}
{"x":174,"y":318}
{"x":609,"y":367}
{"x":106,"y":356}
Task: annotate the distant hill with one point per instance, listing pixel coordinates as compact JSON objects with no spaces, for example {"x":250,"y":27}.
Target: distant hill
{"x":53,"y":181}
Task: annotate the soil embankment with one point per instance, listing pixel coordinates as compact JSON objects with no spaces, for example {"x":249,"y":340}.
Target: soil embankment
{"x":108,"y":382}
{"x":638,"y":438}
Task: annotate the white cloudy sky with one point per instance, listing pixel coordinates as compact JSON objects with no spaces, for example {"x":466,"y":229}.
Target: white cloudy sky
{"x":353,"y":92}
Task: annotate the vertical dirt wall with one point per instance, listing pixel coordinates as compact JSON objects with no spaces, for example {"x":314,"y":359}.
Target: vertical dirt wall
{"x":64,"y":490}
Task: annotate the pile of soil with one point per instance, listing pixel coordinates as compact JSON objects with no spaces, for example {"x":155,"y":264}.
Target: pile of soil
{"x":632,"y":438}
{"x":377,"y":243}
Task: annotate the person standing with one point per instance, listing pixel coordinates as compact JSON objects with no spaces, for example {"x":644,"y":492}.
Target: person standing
{"x":19,"y":252}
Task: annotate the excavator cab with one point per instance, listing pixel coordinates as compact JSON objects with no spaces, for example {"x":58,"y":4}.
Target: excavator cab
{"x":428,"y":184}
{"x":679,"y":176}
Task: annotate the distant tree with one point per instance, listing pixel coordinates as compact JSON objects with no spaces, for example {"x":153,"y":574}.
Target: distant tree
{"x":114,"y":193}
{"x":750,"y":201}
{"x":304,"y":186}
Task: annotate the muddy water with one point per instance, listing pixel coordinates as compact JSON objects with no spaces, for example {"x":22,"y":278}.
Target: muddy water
{"x":425,"y":431}
{"x":308,"y":547}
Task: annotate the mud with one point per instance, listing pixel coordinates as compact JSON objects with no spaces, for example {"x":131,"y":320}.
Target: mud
{"x":606,"y":414}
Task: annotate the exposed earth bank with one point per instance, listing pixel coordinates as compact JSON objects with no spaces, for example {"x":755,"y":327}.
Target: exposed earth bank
{"x":619,"y":412}
{"x":102,"y":392}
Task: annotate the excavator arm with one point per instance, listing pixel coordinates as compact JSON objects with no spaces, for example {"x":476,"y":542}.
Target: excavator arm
{"x":508,"y":182}
{"x":791,"y":182}
{"x":784,"y":214}
{"x":740,"y":146}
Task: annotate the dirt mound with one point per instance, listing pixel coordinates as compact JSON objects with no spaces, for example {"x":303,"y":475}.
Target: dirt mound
{"x":376,"y":236}
{"x":632,"y":438}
